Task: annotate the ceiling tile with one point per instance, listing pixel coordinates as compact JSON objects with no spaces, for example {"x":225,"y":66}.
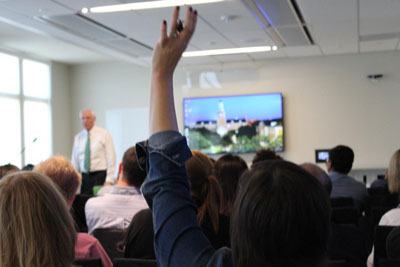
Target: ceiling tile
{"x":377,"y":17}
{"x":302,"y":51}
{"x":333,"y":24}
{"x":379,"y":45}
{"x":273,"y":54}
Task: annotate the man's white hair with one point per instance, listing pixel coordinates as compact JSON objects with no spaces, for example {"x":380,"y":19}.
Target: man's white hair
{"x":91,"y":112}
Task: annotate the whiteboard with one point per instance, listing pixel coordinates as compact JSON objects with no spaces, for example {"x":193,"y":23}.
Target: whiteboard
{"x":127,"y":126}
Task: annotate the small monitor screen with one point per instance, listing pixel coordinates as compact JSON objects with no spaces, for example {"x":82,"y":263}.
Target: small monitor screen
{"x":321,"y":155}
{"x":235,"y":124}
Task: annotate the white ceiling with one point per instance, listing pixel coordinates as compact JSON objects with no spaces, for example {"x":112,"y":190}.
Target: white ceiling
{"x":52,"y":30}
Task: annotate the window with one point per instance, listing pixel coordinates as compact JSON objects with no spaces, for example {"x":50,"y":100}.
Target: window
{"x":25,"y":135}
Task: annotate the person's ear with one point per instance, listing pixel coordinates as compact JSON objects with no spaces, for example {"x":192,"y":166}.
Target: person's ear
{"x":71,"y":200}
{"x":120,"y":169}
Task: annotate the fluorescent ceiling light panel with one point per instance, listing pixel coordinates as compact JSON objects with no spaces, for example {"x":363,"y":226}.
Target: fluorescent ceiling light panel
{"x":242,"y":50}
{"x":146,"y":5}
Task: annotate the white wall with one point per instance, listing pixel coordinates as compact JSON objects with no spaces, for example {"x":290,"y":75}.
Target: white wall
{"x":61,"y":110}
{"x":111,"y":89}
{"x":327,"y":100}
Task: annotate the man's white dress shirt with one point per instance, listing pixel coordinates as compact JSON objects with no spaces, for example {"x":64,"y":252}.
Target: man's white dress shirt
{"x":115,"y":209}
{"x":102,"y":152}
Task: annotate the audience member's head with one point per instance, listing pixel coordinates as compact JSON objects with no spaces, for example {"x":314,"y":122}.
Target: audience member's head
{"x":393,"y":173}
{"x":6,"y":169}
{"x":340,"y":159}
{"x":204,"y":187}
{"x":36,"y":228}
{"x":393,"y":244}
{"x":64,"y":175}
{"x":320,"y":174}
{"x":131,"y":172}
{"x":265,"y":154}
{"x":28,"y":167}
{"x":280,"y":217}
{"x":228,"y":170}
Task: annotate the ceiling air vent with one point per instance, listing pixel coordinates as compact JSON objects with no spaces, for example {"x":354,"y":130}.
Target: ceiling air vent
{"x":282,"y":20}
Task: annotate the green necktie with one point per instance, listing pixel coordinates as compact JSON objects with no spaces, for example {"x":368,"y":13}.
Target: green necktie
{"x":87,"y":154}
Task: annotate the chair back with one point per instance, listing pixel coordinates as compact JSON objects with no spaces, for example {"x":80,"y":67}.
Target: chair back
{"x":78,"y":212}
{"x":342,"y":202}
{"x":129,"y":262}
{"x":381,"y":233}
{"x":112,"y":241}
{"x":345,"y":215}
{"x":389,"y":262}
{"x":93,"y":262}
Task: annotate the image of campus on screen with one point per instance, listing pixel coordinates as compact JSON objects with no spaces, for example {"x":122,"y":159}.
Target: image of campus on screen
{"x":235,"y":124}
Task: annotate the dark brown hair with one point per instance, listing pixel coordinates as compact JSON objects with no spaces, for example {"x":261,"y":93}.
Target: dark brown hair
{"x":204,"y":187}
{"x":228,"y":170}
{"x":131,"y":170}
{"x":341,"y":158}
{"x":8,"y":168}
{"x":265,"y":154}
{"x":280,"y":218}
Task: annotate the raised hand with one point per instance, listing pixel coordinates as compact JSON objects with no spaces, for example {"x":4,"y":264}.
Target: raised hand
{"x":167,"y":53}
{"x":169,"y":49}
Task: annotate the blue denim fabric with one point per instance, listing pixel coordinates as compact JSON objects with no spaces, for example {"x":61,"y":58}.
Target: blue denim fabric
{"x":178,"y":239}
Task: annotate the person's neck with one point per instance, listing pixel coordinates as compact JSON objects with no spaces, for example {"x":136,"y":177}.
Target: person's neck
{"x":122,"y":182}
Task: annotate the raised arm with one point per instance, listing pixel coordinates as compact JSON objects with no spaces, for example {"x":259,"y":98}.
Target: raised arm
{"x":167,"y":53}
{"x":178,"y":239}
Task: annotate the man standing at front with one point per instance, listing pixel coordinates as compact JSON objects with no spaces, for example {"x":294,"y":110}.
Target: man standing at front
{"x":93,"y":154}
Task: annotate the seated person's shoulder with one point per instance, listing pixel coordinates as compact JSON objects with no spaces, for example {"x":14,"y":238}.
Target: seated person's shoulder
{"x":392,"y":217}
{"x":85,"y":239}
{"x":221,"y":258}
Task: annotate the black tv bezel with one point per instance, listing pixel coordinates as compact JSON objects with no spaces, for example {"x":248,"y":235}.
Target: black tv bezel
{"x":216,"y":96}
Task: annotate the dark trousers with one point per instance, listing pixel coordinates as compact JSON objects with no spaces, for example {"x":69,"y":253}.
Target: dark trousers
{"x":92,"y":179}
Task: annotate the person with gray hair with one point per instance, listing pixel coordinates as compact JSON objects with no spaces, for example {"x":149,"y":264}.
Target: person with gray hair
{"x":93,"y":154}
{"x":60,"y":170}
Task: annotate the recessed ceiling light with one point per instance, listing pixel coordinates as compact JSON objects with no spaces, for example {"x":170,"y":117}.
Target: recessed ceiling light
{"x":242,"y":50}
{"x":85,"y":10}
{"x":148,"y":5}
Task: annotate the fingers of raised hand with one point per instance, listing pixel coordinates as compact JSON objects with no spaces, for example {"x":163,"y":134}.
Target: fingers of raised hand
{"x":174,"y":22}
{"x":190,"y":22}
{"x":164,"y":35}
{"x":188,"y":29}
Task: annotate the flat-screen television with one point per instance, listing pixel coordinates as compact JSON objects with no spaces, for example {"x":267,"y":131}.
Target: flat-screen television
{"x":234,"y":124}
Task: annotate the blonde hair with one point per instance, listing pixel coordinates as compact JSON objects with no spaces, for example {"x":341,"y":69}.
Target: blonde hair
{"x":394,"y":173}
{"x":36,"y":228}
{"x":63,"y":174}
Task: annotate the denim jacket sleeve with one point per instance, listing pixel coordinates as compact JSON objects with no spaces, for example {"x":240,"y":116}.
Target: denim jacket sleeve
{"x":178,"y":239}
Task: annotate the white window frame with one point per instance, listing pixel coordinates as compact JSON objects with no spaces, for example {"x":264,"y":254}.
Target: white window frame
{"x":21,"y":99}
